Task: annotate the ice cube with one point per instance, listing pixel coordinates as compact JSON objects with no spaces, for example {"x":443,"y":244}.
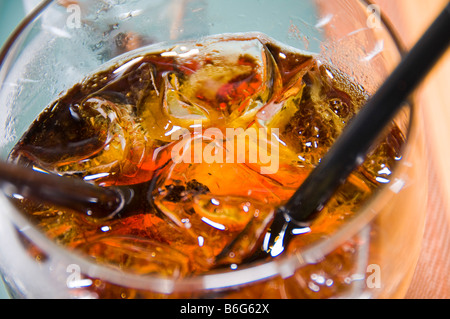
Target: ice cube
{"x":313,"y":112}
{"x":125,"y":148}
{"x":245,"y":219}
{"x":180,"y":110}
{"x":217,"y":202}
{"x":382,"y":159}
{"x":218,"y":222}
{"x":228,"y":80}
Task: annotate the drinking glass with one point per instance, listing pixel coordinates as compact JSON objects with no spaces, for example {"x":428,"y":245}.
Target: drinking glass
{"x":61,"y":42}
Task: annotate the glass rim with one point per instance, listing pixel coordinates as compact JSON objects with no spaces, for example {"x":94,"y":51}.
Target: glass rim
{"x":283,"y":266}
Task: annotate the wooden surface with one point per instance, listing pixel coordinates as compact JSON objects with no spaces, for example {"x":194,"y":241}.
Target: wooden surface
{"x":431,"y":279}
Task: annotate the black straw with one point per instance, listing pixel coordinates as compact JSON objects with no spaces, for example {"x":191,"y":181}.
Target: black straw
{"x":352,"y":145}
{"x":66,"y":192}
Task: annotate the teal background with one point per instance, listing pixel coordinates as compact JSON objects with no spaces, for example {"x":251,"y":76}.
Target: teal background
{"x":11,"y":13}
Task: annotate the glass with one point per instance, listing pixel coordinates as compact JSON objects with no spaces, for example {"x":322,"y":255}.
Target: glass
{"x":63,"y":41}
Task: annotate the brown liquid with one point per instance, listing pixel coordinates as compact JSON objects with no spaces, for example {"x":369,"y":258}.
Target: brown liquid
{"x":115,"y":128}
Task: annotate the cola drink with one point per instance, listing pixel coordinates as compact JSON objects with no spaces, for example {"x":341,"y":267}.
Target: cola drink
{"x":219,"y":132}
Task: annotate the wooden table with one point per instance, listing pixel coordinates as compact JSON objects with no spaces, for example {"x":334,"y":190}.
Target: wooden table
{"x":431,"y":279}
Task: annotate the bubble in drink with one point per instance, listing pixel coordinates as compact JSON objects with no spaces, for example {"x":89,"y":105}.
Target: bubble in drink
{"x":212,"y":209}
